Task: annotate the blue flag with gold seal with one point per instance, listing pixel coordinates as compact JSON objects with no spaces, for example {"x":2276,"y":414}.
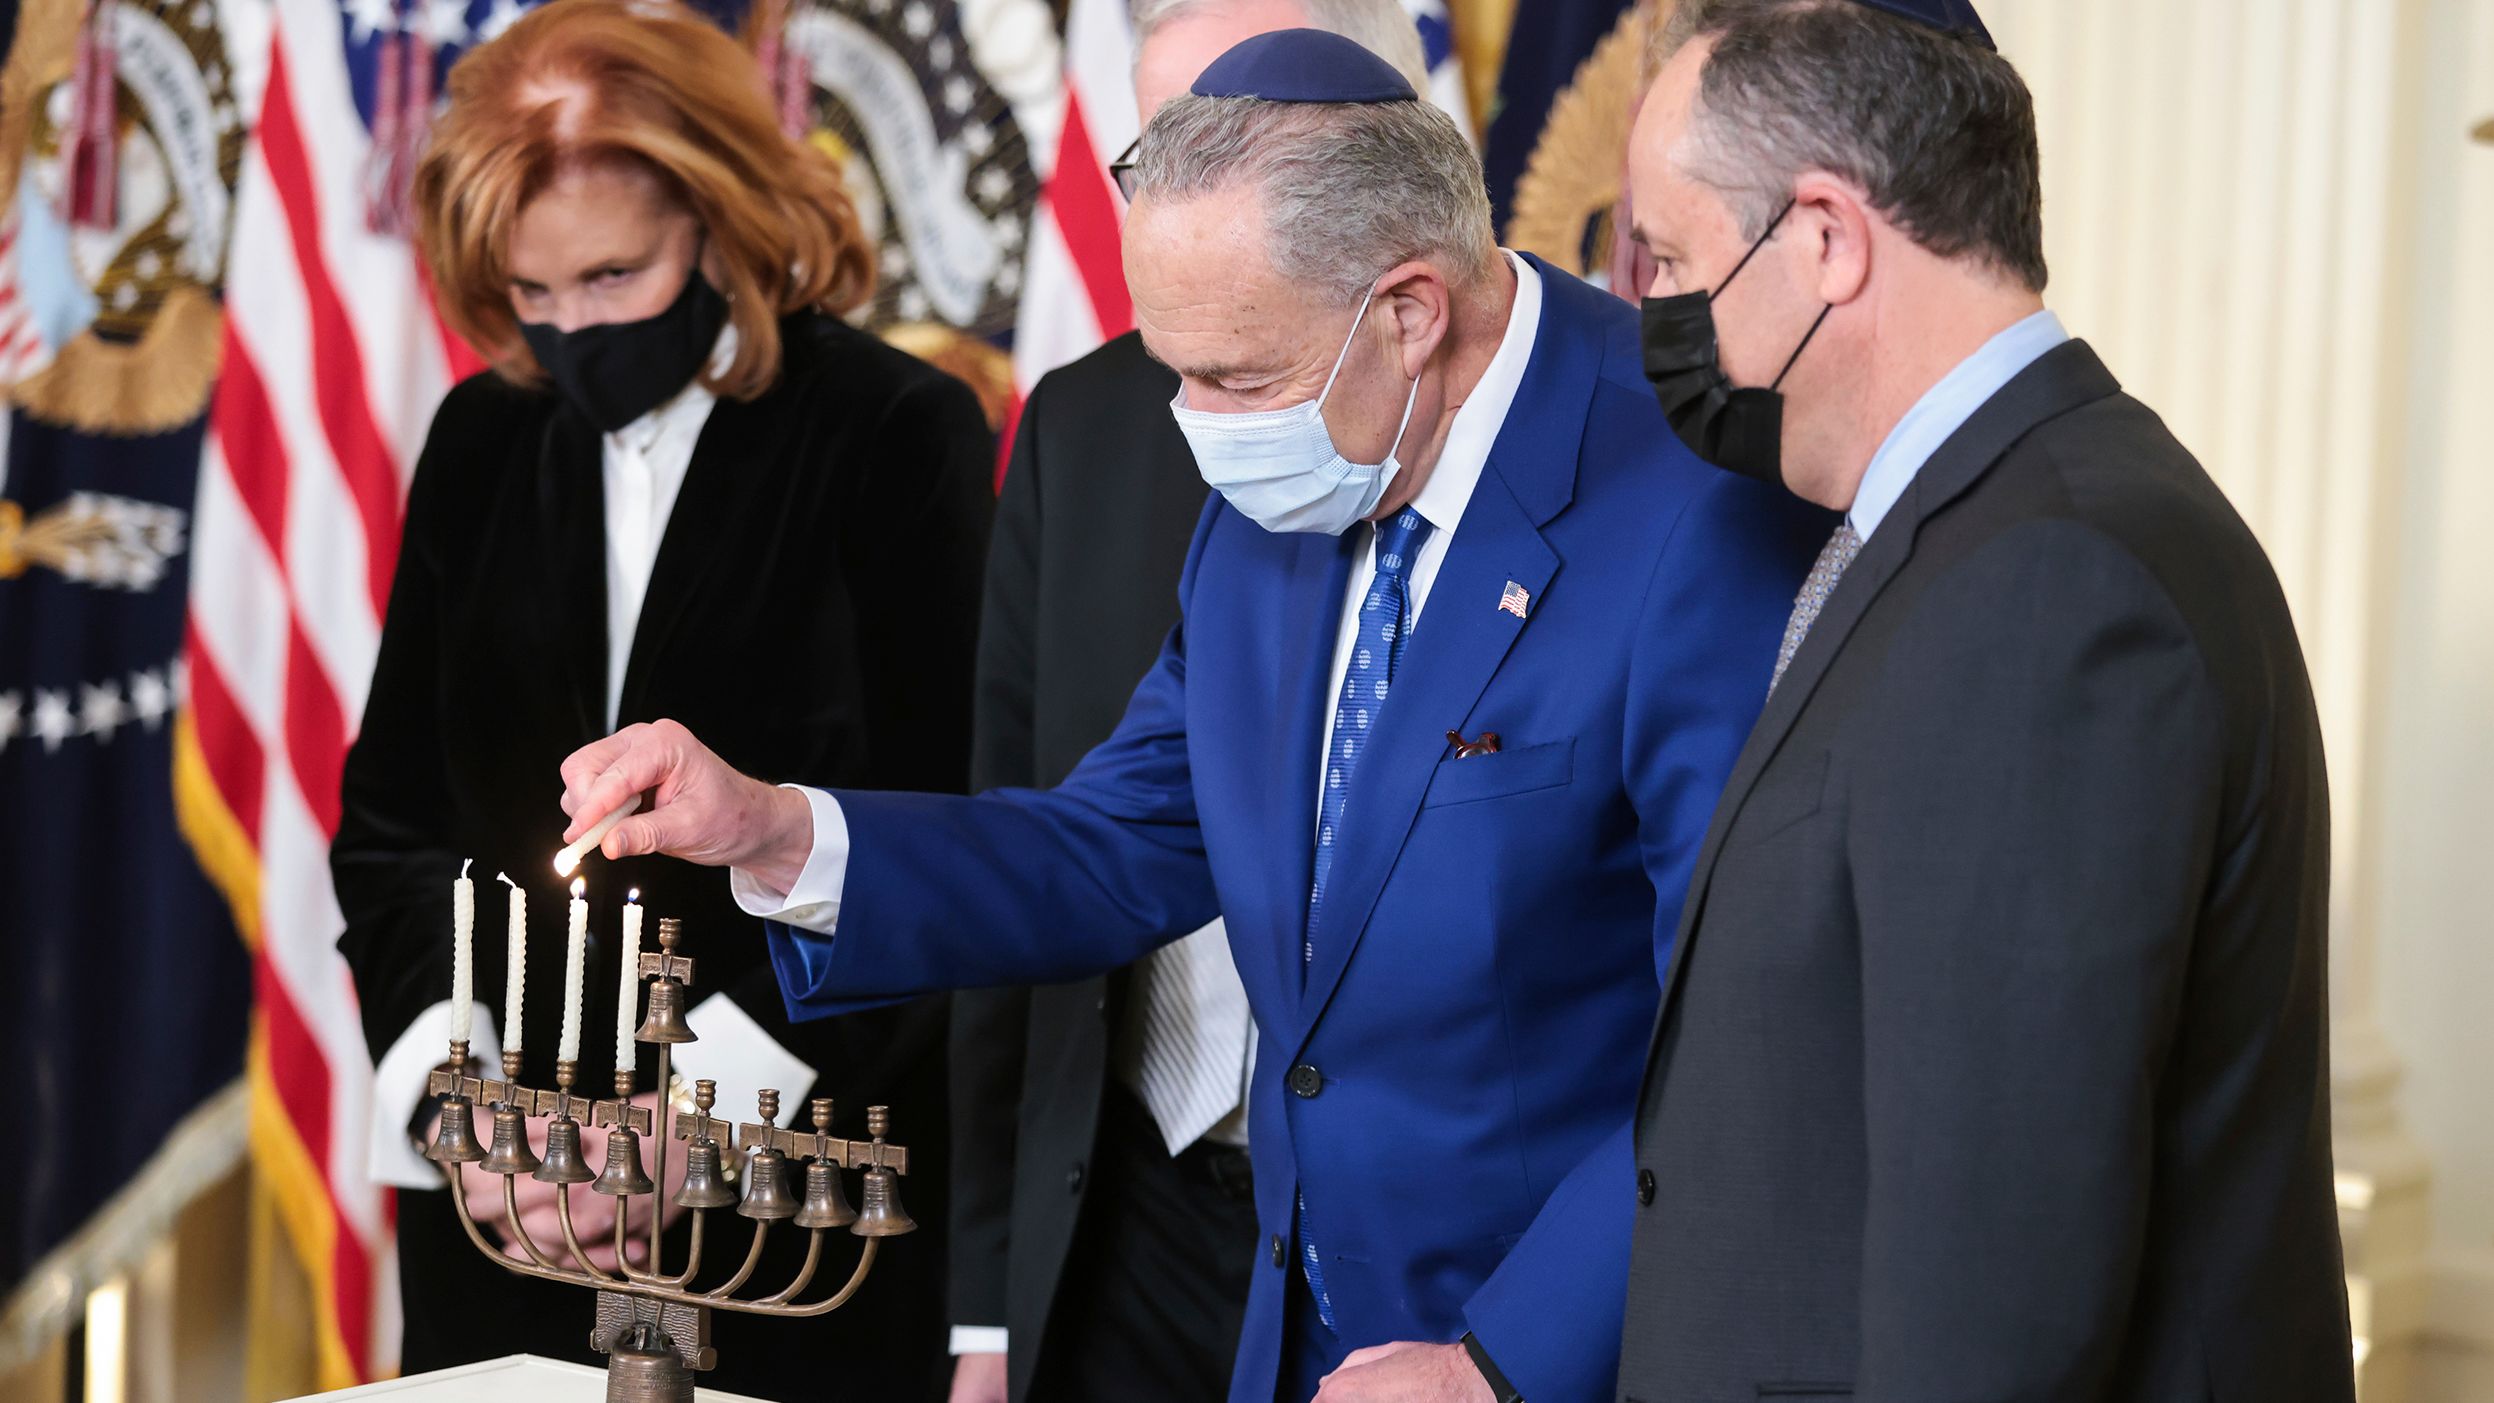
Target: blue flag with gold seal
{"x":126,"y":991}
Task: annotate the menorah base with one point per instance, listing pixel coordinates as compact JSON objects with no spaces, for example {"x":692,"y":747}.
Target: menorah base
{"x":643,"y":1367}
{"x":652,"y":1348}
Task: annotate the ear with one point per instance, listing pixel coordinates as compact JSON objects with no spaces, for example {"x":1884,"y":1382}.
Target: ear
{"x":1833,"y":218}
{"x":1419,"y":311}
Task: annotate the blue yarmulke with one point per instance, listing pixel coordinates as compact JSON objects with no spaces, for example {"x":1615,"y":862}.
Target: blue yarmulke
{"x":1948,"y":15}
{"x":1303,"y":65}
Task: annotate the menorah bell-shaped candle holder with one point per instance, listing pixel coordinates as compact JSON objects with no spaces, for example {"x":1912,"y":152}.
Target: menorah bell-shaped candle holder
{"x":653,"y":1327}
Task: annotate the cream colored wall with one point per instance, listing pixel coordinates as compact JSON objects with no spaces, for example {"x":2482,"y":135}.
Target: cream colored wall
{"x":2435,"y":901}
{"x":2268,"y":216}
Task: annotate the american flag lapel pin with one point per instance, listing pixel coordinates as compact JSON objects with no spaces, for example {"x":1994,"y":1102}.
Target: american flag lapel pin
{"x":1515,"y":600}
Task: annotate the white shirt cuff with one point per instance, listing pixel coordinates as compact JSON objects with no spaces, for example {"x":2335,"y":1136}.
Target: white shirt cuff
{"x":736,"y":1053}
{"x":978,"y":1339}
{"x":814,"y":902}
{"x":398,"y":1087}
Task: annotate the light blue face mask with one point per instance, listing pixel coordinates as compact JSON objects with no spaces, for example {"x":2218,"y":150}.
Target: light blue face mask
{"x":1280,"y":469}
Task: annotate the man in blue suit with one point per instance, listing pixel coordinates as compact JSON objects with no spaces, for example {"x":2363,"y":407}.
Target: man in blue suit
{"x":1468,"y":645}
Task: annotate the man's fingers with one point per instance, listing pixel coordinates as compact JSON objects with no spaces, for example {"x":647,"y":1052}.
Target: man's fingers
{"x":656,"y":754}
{"x":644,"y":833}
{"x":590,"y":761}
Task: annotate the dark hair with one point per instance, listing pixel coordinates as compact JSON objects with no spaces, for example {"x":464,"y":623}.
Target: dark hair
{"x":1935,"y":126}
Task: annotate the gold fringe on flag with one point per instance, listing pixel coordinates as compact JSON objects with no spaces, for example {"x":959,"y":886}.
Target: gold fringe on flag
{"x":1565,"y":198}
{"x":53,"y":1296}
{"x":155,"y":384}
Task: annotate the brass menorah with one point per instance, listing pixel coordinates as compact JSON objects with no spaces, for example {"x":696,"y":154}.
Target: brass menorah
{"x":652,"y":1326}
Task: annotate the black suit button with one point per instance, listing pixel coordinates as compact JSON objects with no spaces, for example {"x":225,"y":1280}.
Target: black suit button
{"x":1645,"y":1187}
{"x":1073,"y":1178}
{"x":1281,"y":1253}
{"x":1306,"y":1081}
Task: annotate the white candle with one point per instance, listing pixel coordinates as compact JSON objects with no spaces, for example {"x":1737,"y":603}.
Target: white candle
{"x":628,"y":1001}
{"x":462,"y":954}
{"x":573,"y":954}
{"x":515,"y":972}
{"x":570,"y":857}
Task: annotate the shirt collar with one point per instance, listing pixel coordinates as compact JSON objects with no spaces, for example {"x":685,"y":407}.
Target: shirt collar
{"x":1448,"y":491}
{"x":1943,"y":410}
{"x":687,"y":411}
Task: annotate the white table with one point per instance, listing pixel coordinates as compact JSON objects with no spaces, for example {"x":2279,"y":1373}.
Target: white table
{"x":521,"y":1378}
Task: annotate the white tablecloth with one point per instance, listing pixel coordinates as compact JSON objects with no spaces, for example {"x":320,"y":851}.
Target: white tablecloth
{"x":522,"y":1378}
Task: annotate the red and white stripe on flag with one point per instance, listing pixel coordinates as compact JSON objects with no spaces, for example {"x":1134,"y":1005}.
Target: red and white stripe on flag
{"x":334,"y":362}
{"x":1073,"y":283}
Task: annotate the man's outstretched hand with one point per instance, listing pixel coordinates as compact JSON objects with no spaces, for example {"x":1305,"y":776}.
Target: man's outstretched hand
{"x":697,"y":808}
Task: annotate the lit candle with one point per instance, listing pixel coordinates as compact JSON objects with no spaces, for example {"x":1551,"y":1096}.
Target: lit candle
{"x":573,"y":954}
{"x":628,"y":1001}
{"x":462,"y":953}
{"x":515,"y":973}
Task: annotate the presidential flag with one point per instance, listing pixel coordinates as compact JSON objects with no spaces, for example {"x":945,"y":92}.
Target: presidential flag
{"x":125,"y":992}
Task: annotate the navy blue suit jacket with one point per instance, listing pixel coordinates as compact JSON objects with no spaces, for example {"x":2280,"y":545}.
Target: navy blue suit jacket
{"x":1487,"y":963}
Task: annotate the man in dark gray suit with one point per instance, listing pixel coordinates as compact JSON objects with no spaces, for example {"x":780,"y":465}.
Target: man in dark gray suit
{"x":1992,"y":1061}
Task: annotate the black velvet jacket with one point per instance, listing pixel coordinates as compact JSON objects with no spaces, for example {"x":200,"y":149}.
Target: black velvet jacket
{"x":812,"y":616}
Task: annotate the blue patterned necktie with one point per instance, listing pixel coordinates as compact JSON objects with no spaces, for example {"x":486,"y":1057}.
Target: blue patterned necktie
{"x":1385,"y":617}
{"x":1385,"y":627}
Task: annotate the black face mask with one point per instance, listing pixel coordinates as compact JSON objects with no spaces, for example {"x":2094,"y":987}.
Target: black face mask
{"x":620,"y":371}
{"x":1738,"y":430}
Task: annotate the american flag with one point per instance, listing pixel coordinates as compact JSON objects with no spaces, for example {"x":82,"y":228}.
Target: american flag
{"x":1515,"y":600}
{"x":334,"y":361}
{"x":1074,"y":284}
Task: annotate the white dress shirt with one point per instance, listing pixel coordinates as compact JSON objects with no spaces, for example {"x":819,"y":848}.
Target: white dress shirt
{"x":644,"y":465}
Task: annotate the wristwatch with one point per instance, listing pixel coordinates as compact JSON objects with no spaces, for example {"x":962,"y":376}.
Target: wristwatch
{"x":1499,"y":1388}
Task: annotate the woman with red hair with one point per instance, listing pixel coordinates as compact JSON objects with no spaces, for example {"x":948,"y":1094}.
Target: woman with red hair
{"x":686,"y":489}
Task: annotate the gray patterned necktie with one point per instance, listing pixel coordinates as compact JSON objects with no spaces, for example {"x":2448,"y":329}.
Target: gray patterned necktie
{"x":1841,"y":548}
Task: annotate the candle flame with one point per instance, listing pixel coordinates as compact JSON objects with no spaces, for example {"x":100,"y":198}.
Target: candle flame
{"x":580,"y":885}
{"x":633,"y":895}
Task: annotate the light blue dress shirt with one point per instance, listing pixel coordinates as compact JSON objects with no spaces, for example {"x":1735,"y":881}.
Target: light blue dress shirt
{"x":1943,"y":410}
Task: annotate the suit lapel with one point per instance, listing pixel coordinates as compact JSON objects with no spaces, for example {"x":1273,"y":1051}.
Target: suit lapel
{"x":1455,"y":649}
{"x":2062,"y":380}
{"x":716,"y":493}
{"x":1463,"y":635}
{"x":571,"y":509}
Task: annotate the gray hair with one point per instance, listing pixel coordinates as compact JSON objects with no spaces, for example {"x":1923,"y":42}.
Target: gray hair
{"x":1383,"y":27}
{"x":1349,"y":189}
{"x":1935,"y":127}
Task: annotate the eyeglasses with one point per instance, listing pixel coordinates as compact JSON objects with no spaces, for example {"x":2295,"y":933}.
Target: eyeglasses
{"x":1121,"y":170}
